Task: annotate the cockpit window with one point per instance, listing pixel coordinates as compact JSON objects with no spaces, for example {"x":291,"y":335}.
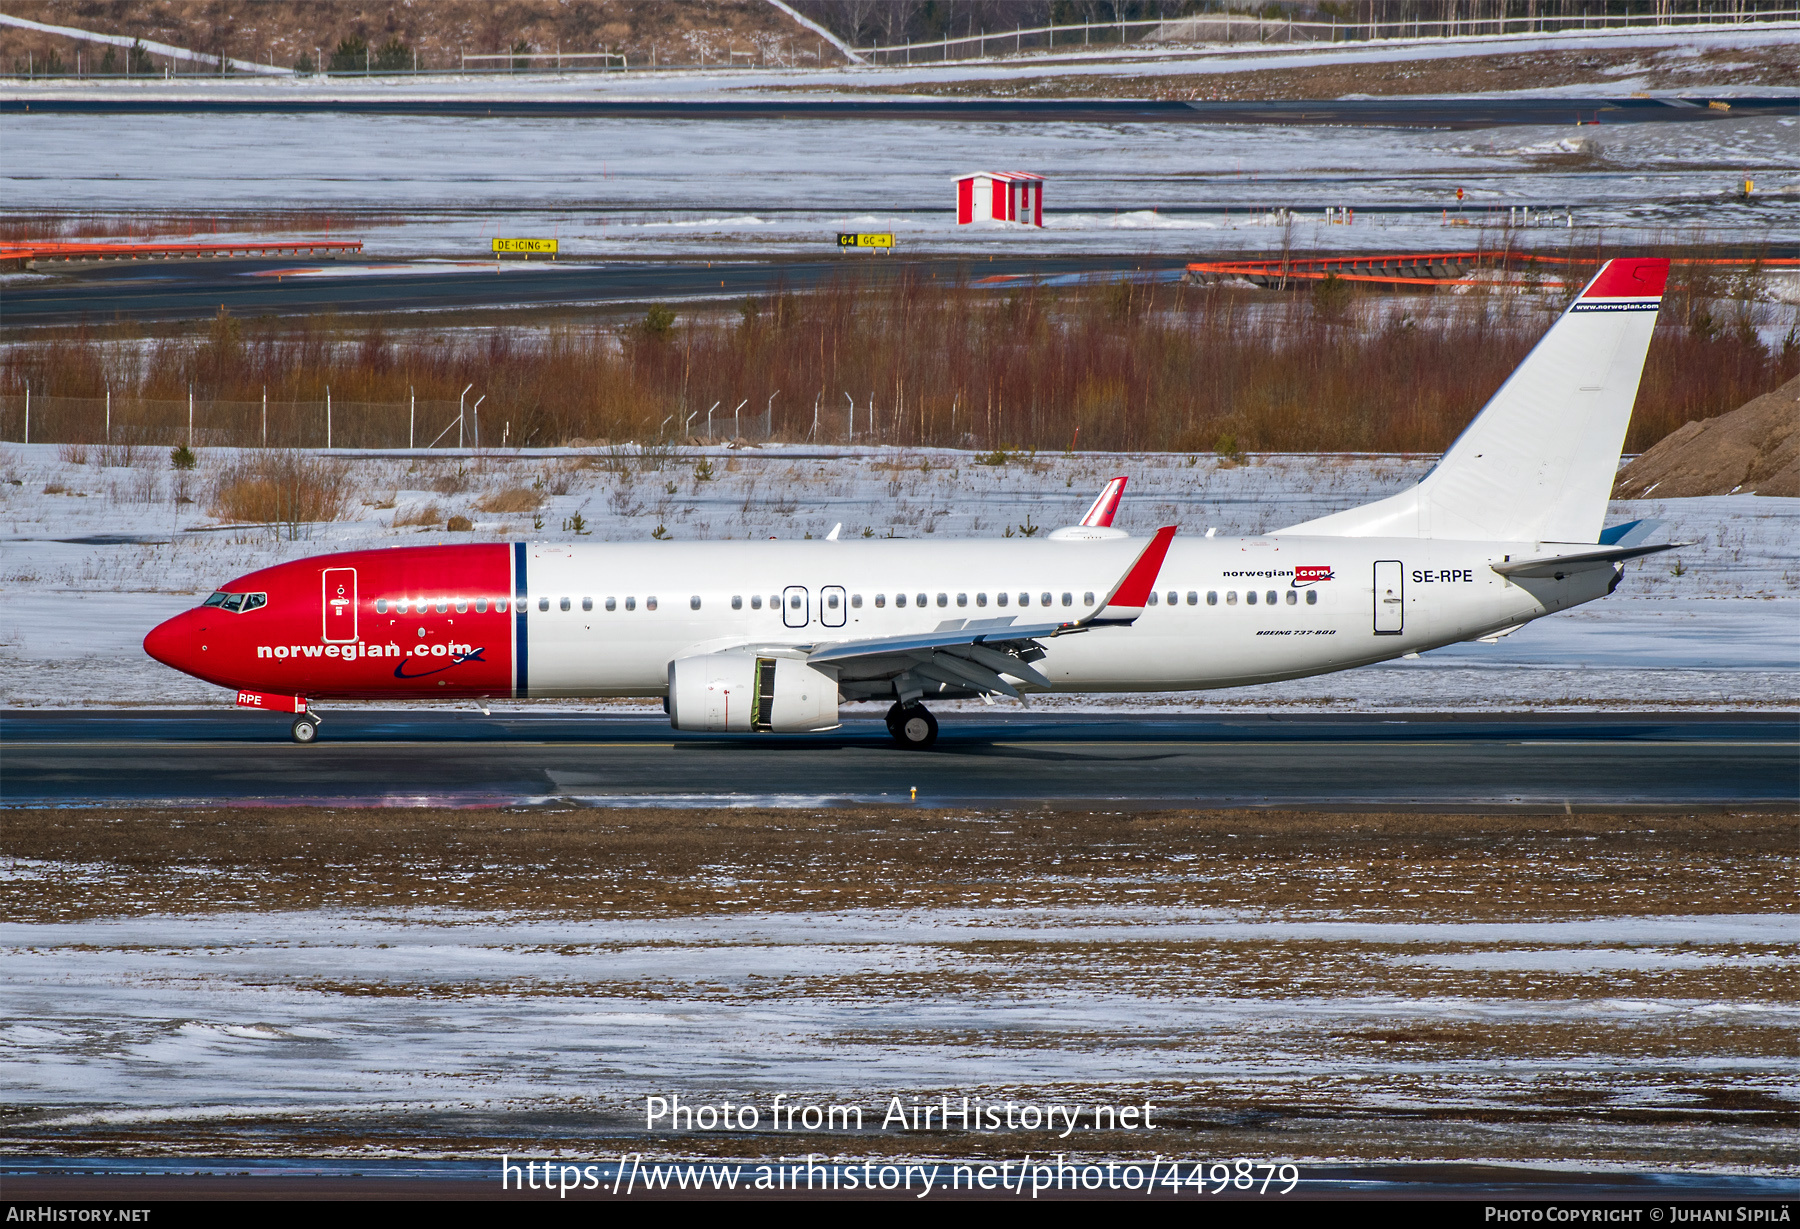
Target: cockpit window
{"x":237,"y":603}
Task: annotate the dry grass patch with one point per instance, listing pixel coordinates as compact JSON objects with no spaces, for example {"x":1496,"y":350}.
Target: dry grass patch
{"x":419,"y":514}
{"x":281,"y":488}
{"x":512,"y":499}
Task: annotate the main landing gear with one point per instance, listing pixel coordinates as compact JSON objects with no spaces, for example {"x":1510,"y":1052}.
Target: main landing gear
{"x":305,"y":728}
{"x":912,"y":726}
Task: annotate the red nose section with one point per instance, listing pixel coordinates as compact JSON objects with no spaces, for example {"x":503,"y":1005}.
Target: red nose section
{"x":174,"y":643}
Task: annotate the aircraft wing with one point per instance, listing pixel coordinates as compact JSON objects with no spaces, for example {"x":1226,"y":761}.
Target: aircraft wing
{"x":974,"y":653}
{"x":1547,"y":567}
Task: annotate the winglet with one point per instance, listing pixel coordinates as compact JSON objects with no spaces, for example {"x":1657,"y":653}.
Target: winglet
{"x":1100,"y":516}
{"x":1127,"y":599}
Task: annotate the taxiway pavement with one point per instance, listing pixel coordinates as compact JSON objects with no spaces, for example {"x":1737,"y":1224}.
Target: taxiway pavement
{"x":396,"y":758}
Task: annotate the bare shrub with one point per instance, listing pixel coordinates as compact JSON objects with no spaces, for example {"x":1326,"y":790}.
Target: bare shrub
{"x":118,"y":456}
{"x":420,"y":514}
{"x":459,"y":524}
{"x":452,"y":484}
{"x":513,"y":499}
{"x":72,"y":454}
{"x":284,"y":489}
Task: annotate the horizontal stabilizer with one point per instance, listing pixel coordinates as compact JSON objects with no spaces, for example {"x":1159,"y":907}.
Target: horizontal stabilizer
{"x":1555,"y":567}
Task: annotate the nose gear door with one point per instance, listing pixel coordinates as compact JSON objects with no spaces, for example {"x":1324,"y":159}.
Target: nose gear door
{"x":340,"y":605}
{"x":796,"y":606}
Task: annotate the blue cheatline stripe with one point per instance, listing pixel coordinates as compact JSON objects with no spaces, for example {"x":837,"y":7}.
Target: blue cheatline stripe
{"x":521,"y":676}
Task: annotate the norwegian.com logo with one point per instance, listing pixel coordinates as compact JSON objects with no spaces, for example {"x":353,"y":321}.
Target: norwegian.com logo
{"x":1304,"y":576}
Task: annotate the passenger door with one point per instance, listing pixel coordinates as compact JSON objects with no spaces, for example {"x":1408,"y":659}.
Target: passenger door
{"x":796,"y":606}
{"x":340,"y":605}
{"x":1390,"y":594}
{"x":832,"y":603}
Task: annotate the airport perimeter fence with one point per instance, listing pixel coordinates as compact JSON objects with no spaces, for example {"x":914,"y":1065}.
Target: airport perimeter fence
{"x":1253,"y":29}
{"x":1250,"y":29}
{"x":128,"y":423}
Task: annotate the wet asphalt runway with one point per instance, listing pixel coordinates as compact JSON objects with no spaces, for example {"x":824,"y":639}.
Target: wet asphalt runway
{"x":197,"y":289}
{"x":1005,"y":759}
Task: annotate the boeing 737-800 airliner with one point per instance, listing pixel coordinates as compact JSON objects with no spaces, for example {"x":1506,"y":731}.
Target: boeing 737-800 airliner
{"x":750,"y":637}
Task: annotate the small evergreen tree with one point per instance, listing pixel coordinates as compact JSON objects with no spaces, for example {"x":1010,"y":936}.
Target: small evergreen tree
{"x":137,"y":58}
{"x":109,"y":63}
{"x":393,"y":56}
{"x":351,"y":56}
{"x":305,"y":66}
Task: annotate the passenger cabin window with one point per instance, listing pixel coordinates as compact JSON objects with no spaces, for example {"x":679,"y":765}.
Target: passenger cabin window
{"x":1046,"y":600}
{"x":981,"y":599}
{"x":1153,"y":597}
{"x":1193,"y":598}
{"x":999,"y":599}
{"x":481,"y":605}
{"x":543,"y":603}
{"x":1292,"y":597}
{"x":500,"y":604}
{"x":649,"y":603}
{"x":1087,"y":599}
{"x":962,"y":599}
{"x":737,"y":601}
{"x":381,"y":605}
{"x":462,"y":605}
{"x":694,"y":602}
{"x":921,"y":599}
{"x":563,"y":604}
{"x":1250,"y":597}
{"x":1312,"y":597}
{"x":900,"y":600}
{"x":1270,"y":597}
{"x":612,"y":603}
{"x":587,"y":603}
{"x":1174,"y":597}
{"x":1068,"y":599}
{"x":1231,"y":597}
{"x":631,"y":603}
{"x":856,"y":601}
{"x":880,"y":600}
{"x":756,"y":601}
{"x":1212,"y":597}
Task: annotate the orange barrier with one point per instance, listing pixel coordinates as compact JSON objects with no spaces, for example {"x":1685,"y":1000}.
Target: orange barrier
{"x":1410,"y":269}
{"x":45,"y":250}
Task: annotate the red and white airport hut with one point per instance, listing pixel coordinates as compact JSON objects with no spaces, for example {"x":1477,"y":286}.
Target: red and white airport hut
{"x":1001,"y":196}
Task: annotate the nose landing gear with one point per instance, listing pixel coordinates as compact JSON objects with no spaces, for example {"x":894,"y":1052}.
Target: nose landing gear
{"x":912,"y":726}
{"x":305,"y":728}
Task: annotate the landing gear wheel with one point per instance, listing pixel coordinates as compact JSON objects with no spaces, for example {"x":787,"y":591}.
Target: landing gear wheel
{"x":306,"y":728}
{"x":912,"y":726}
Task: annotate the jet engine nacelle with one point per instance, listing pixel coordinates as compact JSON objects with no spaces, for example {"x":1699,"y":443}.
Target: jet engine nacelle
{"x":743,"y":693}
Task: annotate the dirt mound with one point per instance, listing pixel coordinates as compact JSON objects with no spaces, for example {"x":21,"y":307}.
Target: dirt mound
{"x":282,"y":31}
{"x":1753,"y":449}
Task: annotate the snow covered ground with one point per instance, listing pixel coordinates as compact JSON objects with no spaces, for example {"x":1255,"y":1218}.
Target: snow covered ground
{"x":628,"y":188}
{"x":87,"y":569}
{"x":459,"y":1024}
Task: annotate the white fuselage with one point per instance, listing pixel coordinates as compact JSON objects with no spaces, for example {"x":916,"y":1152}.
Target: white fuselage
{"x":1374,"y":599}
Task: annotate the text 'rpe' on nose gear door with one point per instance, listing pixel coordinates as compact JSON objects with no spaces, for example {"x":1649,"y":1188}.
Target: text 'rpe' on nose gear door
{"x":796,"y":609}
{"x":1390,"y":607}
{"x":340,"y":605}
